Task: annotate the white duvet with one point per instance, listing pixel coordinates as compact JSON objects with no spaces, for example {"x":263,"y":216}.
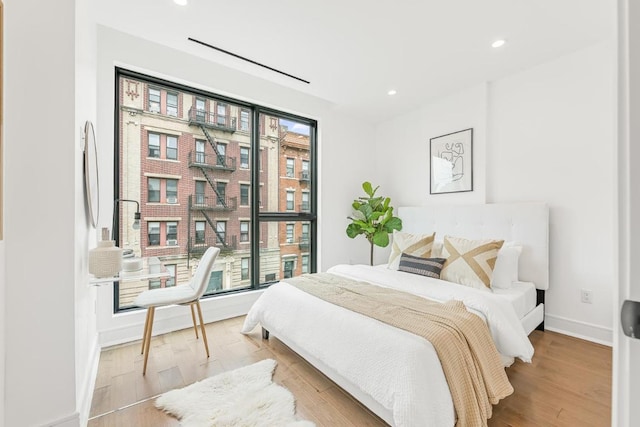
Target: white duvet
{"x":397,"y":369}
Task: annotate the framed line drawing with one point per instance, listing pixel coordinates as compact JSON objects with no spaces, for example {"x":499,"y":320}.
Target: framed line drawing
{"x":451,"y":157}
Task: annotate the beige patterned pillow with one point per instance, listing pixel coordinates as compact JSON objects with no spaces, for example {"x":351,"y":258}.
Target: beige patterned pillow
{"x":412,"y":244}
{"x":470,"y":262}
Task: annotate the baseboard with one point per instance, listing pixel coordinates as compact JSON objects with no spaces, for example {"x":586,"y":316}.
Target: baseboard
{"x":72,"y":420}
{"x":579,"y":329}
{"x":86,"y":391}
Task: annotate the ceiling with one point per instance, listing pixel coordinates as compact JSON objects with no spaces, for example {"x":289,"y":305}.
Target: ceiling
{"x":354,"y":51}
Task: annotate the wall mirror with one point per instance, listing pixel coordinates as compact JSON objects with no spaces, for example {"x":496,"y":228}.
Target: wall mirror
{"x":91,"y":173}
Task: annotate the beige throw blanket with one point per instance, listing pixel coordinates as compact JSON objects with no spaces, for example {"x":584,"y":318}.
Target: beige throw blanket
{"x":469,"y":358}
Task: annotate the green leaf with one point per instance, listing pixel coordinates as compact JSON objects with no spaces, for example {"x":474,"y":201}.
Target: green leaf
{"x":381,"y":238}
{"x":367,"y":210}
{"x":394,"y":223}
{"x":353,"y":230}
{"x":366,"y":186}
{"x":356,"y":205}
{"x":358,"y":215}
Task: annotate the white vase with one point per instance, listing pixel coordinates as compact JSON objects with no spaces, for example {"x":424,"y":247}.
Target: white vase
{"x":105,"y":260}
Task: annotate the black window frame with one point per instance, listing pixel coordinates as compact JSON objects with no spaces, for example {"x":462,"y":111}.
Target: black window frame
{"x":256,"y":133}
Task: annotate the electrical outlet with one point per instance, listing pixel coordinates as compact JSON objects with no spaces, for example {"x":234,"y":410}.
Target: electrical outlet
{"x":586,"y":296}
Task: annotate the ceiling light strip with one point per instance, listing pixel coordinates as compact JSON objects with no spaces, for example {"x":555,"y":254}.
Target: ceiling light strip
{"x":248,"y":60}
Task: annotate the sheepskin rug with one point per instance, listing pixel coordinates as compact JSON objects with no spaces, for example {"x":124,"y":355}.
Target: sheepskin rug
{"x":245,"y":397}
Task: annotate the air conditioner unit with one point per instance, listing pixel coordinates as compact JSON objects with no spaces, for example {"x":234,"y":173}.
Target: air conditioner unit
{"x":172,"y":242}
{"x":172,"y":200}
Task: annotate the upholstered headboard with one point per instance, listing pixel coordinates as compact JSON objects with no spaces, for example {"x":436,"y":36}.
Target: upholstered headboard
{"x":525,"y":223}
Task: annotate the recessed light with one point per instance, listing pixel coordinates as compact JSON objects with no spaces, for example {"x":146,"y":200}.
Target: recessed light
{"x":498,"y":43}
{"x":180,"y":2}
{"x":392,"y":92}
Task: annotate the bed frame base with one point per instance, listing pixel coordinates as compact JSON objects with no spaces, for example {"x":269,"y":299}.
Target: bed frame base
{"x":265,"y":334}
{"x":540,"y":300}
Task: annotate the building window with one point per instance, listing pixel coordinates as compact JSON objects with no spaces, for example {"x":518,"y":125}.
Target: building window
{"x":244,"y":157}
{"x":154,"y":145}
{"x":172,"y":147}
{"x":155,"y":284}
{"x":244,"y":120}
{"x":154,"y":100}
{"x":171,"y":280}
{"x":244,"y":194}
{"x":153,"y":230}
{"x":305,"y":170}
{"x":200,"y":227}
{"x":200,"y":151}
{"x":244,"y":231}
{"x":201,"y":111}
{"x":221,"y":189}
{"x":172,"y":104}
{"x":222,"y":155}
{"x":305,"y":202}
{"x":270,"y":277}
{"x":221,"y":114}
{"x":290,"y":233}
{"x":172,"y":190}
{"x":290,"y":200}
{"x":305,"y":233}
{"x":215,"y":282}
{"x":244,"y":269}
{"x":200,"y":200}
{"x":172,"y":233}
{"x":305,"y":264}
{"x":221,"y":232}
{"x":290,"y":167}
{"x":153,"y":195}
{"x":289,"y":265}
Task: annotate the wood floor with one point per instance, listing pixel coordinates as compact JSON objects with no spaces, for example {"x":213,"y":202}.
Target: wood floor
{"x":568,"y":383}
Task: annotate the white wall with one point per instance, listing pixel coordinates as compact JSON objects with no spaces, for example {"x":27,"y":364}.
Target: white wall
{"x":341,"y":139}
{"x":41,"y":166}
{"x":402,"y":166}
{"x":544,"y":134}
{"x":86,"y":333}
{"x":553,"y":139}
{"x":2,"y":329}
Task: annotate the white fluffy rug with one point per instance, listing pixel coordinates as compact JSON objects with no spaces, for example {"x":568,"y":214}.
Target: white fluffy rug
{"x":245,"y":397}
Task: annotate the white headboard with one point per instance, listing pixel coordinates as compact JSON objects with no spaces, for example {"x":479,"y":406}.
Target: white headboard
{"x":525,"y":223}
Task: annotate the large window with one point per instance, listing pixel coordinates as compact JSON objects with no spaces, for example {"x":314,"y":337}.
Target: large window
{"x":209,"y":170}
{"x":172,"y":104}
{"x":154,"y":145}
{"x":172,"y":147}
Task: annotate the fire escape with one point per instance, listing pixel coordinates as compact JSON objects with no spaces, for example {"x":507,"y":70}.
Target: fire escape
{"x":200,"y":206}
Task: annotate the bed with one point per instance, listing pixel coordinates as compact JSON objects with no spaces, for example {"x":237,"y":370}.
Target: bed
{"x":394,"y":373}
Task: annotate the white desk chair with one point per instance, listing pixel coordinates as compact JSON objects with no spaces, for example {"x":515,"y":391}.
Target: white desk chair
{"x":183,"y":295}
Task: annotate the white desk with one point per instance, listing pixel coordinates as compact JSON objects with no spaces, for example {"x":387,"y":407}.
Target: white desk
{"x":152,"y":268}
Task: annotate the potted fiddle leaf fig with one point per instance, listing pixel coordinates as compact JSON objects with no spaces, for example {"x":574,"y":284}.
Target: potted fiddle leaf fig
{"x":373,"y":216}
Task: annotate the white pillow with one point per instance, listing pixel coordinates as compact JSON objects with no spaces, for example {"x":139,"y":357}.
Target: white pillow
{"x":505,"y":271}
{"x":436,"y":249}
{"x":412,"y":244}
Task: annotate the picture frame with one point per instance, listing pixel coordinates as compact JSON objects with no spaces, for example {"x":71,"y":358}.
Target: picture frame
{"x":451,"y":162}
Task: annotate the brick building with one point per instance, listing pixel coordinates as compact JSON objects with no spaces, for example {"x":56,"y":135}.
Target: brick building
{"x":186,"y":159}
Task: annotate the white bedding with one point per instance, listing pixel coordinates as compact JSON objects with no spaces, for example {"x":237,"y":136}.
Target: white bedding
{"x":521,"y":295}
{"x":397,"y":369}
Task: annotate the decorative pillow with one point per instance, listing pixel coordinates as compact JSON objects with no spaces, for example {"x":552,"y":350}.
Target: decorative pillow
{"x":506,"y":270}
{"x":470,"y":262}
{"x":436,"y":249}
{"x":413,"y":244}
{"x":429,"y":267}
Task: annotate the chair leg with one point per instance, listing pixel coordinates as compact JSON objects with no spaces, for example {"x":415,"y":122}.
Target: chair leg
{"x":204,"y":333}
{"x":152,"y":311}
{"x":144,"y":334}
{"x":193,"y":317}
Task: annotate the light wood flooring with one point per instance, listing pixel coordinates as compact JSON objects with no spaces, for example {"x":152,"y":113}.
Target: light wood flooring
{"x":568,"y":383}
